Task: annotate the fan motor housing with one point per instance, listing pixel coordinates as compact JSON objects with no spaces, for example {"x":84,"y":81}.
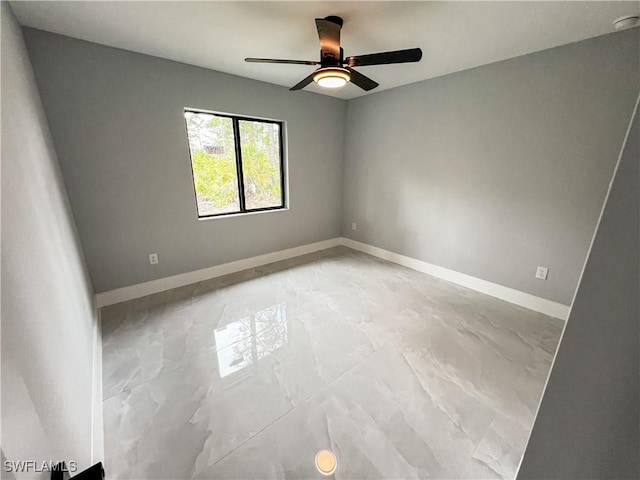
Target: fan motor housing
{"x":329,"y":60}
{"x":335,"y":19}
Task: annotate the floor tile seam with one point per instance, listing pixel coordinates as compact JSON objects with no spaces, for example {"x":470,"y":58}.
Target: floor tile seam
{"x":206,"y":352}
{"x":486,"y":432}
{"x":459,"y":288}
{"x":162,"y":374}
{"x":128,"y":388}
{"x":478,"y":394}
{"x":112,"y":395}
{"x":495,"y":416}
{"x":193,"y":357}
{"x":294,"y":408}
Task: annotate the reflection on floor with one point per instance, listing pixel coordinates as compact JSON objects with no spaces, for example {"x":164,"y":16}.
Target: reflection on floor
{"x":399,"y":374}
{"x":242,"y":343}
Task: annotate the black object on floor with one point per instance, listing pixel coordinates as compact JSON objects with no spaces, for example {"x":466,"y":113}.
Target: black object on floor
{"x":60,"y":472}
{"x":94,"y":472}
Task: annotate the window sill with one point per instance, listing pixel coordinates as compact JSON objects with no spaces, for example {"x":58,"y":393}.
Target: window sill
{"x":242,"y":214}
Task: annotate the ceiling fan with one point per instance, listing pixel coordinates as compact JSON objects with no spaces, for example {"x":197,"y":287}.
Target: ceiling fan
{"x":336,"y":71}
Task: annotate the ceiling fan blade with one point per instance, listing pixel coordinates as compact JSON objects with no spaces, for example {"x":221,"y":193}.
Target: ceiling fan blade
{"x":303,"y":83}
{"x":361,"y":80}
{"x":273,"y":60}
{"x":329,"y":34}
{"x":385,"y":58}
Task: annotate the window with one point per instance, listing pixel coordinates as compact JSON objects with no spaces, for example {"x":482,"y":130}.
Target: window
{"x":237,"y":163}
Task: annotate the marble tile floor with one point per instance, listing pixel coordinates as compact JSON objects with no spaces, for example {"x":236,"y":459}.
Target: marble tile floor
{"x":248,"y":376}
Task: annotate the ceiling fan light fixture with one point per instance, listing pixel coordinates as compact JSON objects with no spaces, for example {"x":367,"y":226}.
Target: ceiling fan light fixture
{"x":332,"y":77}
{"x":331,"y":73}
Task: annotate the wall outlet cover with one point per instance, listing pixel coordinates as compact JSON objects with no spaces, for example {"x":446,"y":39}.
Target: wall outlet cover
{"x":153,"y":258}
{"x":354,"y":226}
{"x":542,"y":272}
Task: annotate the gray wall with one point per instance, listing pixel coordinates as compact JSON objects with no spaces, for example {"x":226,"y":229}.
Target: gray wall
{"x":117,"y":122}
{"x":48,"y":319}
{"x":587,"y":425}
{"x":495,"y":170}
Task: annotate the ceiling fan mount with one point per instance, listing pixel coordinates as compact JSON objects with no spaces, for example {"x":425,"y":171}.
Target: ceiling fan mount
{"x":336,"y":71}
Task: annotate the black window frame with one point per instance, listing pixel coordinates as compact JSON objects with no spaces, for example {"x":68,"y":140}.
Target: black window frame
{"x":238,"y":154}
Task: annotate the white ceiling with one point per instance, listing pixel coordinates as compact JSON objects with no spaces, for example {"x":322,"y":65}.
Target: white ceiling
{"x":454,"y":36}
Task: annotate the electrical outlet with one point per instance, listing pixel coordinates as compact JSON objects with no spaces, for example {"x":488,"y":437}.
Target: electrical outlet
{"x":354,"y":226}
{"x":153,"y":258}
{"x":542,"y":272}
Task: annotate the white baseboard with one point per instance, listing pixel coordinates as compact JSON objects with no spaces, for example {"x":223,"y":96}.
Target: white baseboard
{"x":542,"y":305}
{"x":160,"y":285}
{"x":517,"y":297}
{"x":97,"y":431}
